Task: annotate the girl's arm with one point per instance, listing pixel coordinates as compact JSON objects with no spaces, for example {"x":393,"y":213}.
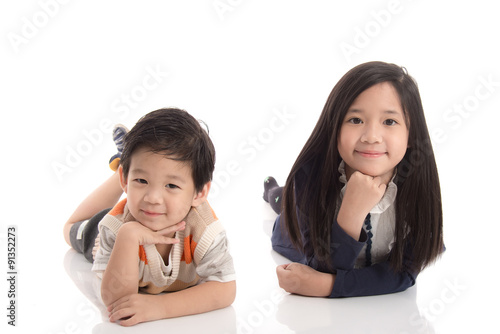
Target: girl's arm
{"x":374,"y":280}
{"x":347,"y":281}
{"x":201,"y":298}
{"x":377,"y":279}
{"x":303,"y":280}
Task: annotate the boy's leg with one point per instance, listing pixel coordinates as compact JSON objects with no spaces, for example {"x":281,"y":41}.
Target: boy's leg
{"x":104,"y":197}
{"x":83,"y":234}
{"x":273,"y":194}
{"x":108,"y":193}
{"x":119,"y":132}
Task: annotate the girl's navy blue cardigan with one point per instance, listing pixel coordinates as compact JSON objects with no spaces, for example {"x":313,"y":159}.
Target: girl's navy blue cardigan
{"x":349,"y":281}
{"x":376,"y":279}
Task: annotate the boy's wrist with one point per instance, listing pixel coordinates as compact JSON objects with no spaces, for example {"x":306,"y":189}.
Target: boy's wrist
{"x":129,"y":233}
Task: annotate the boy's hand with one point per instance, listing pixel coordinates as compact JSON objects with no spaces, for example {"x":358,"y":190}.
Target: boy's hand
{"x":136,"y":232}
{"x":303,"y":280}
{"x":362,"y":193}
{"x":133,"y":309}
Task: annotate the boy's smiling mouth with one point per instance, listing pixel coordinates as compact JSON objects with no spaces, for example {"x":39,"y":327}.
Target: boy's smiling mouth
{"x":151,"y":214}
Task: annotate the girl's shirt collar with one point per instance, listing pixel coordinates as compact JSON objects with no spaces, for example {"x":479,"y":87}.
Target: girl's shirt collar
{"x":386,"y":201}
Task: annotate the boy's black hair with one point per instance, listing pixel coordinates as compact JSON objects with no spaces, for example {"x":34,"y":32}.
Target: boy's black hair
{"x":176,"y":134}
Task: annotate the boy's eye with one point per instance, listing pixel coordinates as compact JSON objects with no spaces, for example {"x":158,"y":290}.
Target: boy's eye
{"x":171,"y":186}
{"x":355,"y":120}
{"x":141,"y":181}
{"x":390,"y":122}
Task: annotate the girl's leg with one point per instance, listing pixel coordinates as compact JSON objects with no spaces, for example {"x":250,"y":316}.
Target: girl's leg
{"x":104,"y":197}
{"x":273,"y":193}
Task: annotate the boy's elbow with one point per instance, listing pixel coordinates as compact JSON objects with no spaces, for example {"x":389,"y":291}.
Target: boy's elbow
{"x":110,"y":294}
{"x":233,"y":292}
{"x":228,"y":295}
{"x":107,"y":297}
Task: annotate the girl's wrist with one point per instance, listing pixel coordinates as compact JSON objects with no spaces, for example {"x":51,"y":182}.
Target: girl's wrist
{"x":351,"y":223}
{"x":326,"y":282}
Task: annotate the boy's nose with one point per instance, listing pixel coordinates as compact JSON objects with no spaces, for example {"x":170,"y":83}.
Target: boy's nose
{"x":153,"y":196}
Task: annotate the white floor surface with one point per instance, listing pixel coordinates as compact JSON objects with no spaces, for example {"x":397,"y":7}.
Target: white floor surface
{"x":258,"y":73}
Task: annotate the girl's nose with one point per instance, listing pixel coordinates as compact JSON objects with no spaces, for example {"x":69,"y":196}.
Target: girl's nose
{"x":372,"y":134}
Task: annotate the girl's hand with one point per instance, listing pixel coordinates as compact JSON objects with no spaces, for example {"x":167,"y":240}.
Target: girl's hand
{"x":303,"y":280}
{"x":136,"y":232}
{"x":135,"y":308}
{"x":362,"y":193}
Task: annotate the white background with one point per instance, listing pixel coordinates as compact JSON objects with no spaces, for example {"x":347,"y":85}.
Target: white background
{"x":71,"y":70}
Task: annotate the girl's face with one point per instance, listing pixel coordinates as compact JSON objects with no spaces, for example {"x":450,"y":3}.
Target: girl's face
{"x":374,"y":137}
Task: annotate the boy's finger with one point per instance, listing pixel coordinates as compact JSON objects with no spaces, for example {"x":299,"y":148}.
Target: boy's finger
{"x":174,"y":228}
{"x":167,"y":240}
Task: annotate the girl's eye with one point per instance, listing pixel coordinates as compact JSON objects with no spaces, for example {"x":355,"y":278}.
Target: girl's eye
{"x":141,"y":181}
{"x":171,"y":186}
{"x":390,"y":122}
{"x":355,"y":120}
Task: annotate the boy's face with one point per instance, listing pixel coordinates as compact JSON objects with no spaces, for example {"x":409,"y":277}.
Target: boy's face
{"x":160,"y":191}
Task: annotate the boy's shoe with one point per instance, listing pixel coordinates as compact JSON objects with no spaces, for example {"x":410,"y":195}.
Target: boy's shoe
{"x":119,"y":132}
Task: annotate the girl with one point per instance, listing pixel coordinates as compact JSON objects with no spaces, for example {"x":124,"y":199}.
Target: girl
{"x":360,"y":213}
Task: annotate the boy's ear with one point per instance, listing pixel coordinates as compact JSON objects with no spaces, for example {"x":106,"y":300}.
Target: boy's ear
{"x":123,"y":179}
{"x":202,"y":195}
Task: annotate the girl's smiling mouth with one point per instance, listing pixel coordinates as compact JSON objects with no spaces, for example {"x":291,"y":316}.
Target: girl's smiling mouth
{"x":371,"y":154}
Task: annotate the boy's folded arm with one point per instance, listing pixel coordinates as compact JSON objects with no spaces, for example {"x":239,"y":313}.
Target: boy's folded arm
{"x":217,"y":288}
{"x":200,"y":298}
{"x":121,"y":275}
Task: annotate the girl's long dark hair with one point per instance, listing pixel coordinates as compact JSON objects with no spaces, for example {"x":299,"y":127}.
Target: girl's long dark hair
{"x":418,"y":203}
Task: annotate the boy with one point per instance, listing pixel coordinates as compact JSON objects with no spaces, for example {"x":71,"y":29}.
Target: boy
{"x":163,"y":237}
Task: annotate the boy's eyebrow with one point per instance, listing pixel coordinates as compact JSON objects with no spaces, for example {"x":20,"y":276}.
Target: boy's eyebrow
{"x":168,"y":176}
{"x":138,"y":170}
{"x":175,"y":177}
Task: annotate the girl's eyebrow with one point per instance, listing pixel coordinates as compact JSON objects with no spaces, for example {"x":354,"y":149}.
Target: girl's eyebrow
{"x":388,"y":111}
{"x":392,"y":112}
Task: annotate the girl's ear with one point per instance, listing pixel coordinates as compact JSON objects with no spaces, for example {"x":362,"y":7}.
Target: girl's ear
{"x":123,"y":179}
{"x":202,"y":195}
